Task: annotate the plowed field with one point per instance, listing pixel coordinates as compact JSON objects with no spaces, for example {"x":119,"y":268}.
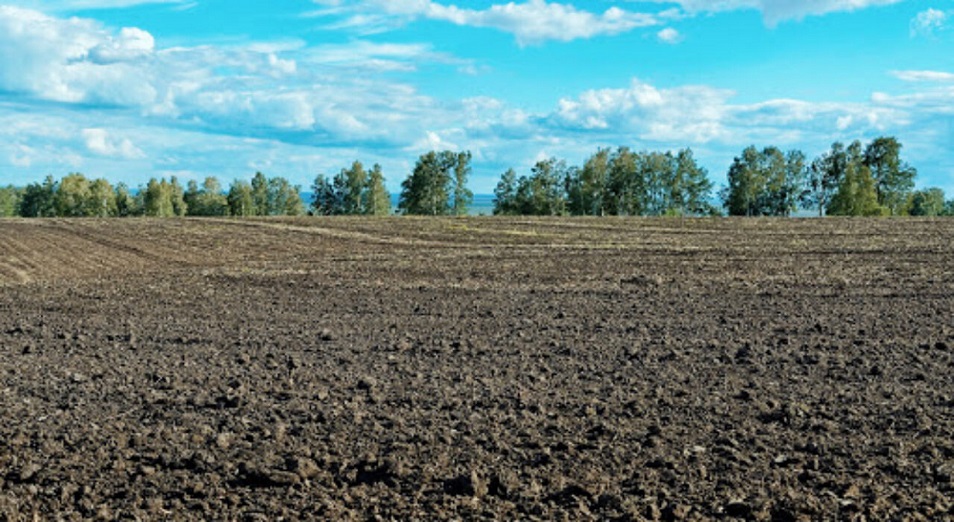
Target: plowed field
{"x":511,"y":369}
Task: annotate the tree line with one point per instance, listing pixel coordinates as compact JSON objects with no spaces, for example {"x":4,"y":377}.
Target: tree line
{"x":857,"y":180}
{"x":853,"y":180}
{"x":75,"y":195}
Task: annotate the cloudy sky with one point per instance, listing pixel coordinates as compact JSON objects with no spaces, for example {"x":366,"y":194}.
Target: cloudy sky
{"x":131,"y":89}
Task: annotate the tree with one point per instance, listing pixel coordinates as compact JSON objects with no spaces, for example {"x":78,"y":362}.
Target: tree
{"x":353,"y":186}
{"x":894,"y":179}
{"x":857,"y":194}
{"x":209,"y":200}
{"x":542,"y":194}
{"x":426,"y":191}
{"x":626,"y":191}
{"x":102,"y":199}
{"x":746,"y":181}
{"x":586,"y":192}
{"x":157,"y":199}
{"x":505,"y":195}
{"x":241,"y":199}
{"x":463,"y":196}
{"x":696,"y":188}
{"x":378,"y":198}
{"x":177,"y":198}
{"x":126,"y":204}
{"x":765,"y":183}
{"x":823,"y":177}
{"x":260,"y":194}
{"x":38,"y":199}
{"x":72,"y":196}
{"x":325,"y":200}
{"x":927,"y":202}
{"x":284,"y":198}
{"x":9,"y":201}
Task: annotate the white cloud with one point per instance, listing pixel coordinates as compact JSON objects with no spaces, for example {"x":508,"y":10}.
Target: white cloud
{"x":531,"y":22}
{"x":690,"y":113}
{"x":775,"y":11}
{"x":924,"y":76}
{"x":669,"y":36}
{"x":99,"y":142}
{"x":928,"y":22}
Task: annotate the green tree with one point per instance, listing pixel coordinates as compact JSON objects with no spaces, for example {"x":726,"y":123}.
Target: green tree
{"x":72,"y":196}
{"x":587,"y":190}
{"x":543,"y":193}
{"x":927,"y":202}
{"x":260,"y":194}
{"x":284,"y":198}
{"x":626,"y":193}
{"x":157,"y":199}
{"x":505,"y":195}
{"x":241,"y":199}
{"x":102,"y":199}
{"x":177,"y":198}
{"x":823,"y":177}
{"x":857,"y":193}
{"x":126,"y":204}
{"x":38,"y":199}
{"x":463,"y":197}
{"x":378,"y":199}
{"x":695,"y":188}
{"x":353,"y":185}
{"x":209,"y":200}
{"x":894,"y":179}
{"x":325,"y":200}
{"x":9,"y":201}
{"x":426,"y":191}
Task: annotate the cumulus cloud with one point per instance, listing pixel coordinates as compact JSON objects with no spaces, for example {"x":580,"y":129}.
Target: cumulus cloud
{"x":691,"y":113}
{"x":98,"y":141}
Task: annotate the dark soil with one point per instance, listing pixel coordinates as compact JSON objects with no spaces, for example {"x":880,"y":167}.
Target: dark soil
{"x":504,"y":369}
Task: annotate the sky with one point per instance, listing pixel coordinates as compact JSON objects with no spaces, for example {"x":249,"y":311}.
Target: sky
{"x":134,"y":89}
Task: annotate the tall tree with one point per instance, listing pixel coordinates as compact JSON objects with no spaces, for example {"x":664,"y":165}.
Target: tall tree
{"x":207,"y":200}
{"x":284,"y":198}
{"x":126,"y":204}
{"x":857,"y":193}
{"x":626,"y":193}
{"x":463,"y":196}
{"x":894,"y":179}
{"x":9,"y":201}
{"x":505,"y":195}
{"x":72,"y":197}
{"x":325,"y":199}
{"x":157,"y":199}
{"x":587,"y":191}
{"x":378,"y":199}
{"x":354,"y":185}
{"x":38,"y":199}
{"x":102,"y":199}
{"x":260,"y":194}
{"x":745,"y":184}
{"x":177,"y":198}
{"x":241,"y":199}
{"x":426,"y":191}
{"x":823,"y":177}
{"x":695,"y":187}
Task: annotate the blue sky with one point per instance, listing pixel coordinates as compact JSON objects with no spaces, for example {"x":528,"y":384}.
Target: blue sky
{"x":131,"y":89}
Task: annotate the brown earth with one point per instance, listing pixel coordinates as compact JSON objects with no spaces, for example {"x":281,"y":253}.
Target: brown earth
{"x":477,"y":369}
